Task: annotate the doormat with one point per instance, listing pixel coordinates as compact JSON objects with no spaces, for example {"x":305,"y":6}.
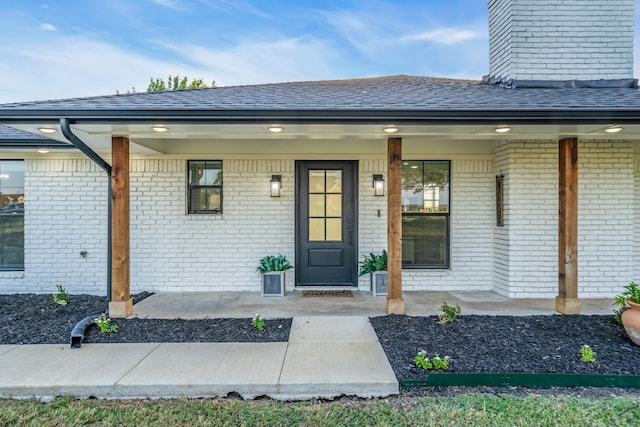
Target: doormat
{"x":327,"y":293}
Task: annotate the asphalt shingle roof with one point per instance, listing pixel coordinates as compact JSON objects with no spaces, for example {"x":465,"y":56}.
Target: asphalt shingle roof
{"x":381,"y":93}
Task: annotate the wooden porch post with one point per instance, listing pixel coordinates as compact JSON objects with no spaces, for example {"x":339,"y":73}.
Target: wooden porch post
{"x":567,"y":301}
{"x":395,"y":303}
{"x":121,"y":304}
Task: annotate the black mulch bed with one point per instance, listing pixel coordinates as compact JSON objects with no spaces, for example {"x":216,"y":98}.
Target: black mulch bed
{"x":37,"y":319}
{"x":531,"y":344}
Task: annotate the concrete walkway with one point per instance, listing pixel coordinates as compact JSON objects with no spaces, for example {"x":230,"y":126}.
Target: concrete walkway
{"x":326,"y":357}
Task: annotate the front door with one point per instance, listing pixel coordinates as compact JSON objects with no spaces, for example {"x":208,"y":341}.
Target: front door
{"x":326,"y":223}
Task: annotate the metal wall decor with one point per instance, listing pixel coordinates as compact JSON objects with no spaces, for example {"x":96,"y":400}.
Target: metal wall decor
{"x":500,"y":200}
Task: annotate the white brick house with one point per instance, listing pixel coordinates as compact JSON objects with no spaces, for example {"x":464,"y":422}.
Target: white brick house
{"x":553,"y":87}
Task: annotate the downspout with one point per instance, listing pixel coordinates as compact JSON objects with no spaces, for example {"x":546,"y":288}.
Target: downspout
{"x":77,"y":334}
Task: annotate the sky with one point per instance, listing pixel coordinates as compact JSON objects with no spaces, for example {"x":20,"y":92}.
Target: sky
{"x":52,"y":49}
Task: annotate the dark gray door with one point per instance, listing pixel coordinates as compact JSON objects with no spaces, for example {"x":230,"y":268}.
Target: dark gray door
{"x":326,"y":223}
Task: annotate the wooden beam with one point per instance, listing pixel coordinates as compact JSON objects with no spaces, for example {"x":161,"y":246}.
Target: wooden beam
{"x":395,"y":303}
{"x":121,"y":304}
{"x":567,"y":301}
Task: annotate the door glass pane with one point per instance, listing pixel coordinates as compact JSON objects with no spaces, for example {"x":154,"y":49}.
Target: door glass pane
{"x":334,"y":181}
{"x":316,"y":181}
{"x":424,"y":240}
{"x":316,"y":228}
{"x":334,"y":205}
{"x":316,"y":205}
{"x":334,"y":229}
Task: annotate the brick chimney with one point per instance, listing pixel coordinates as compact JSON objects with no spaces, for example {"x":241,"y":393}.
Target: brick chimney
{"x":560,"y":40}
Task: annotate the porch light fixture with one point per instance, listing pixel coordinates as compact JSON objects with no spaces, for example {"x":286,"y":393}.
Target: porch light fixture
{"x":47,"y":130}
{"x":276,"y":185}
{"x":160,"y":128}
{"x":275,"y":129}
{"x":378,"y":185}
{"x":502,"y":129}
{"x":613,"y":129}
{"x":390,"y":129}
{"x":42,"y":150}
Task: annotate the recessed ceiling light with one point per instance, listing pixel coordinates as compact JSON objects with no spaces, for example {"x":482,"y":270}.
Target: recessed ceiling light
{"x":42,"y":150}
{"x":160,"y":128}
{"x":414,"y":167}
{"x":275,"y":129}
{"x":390,"y":129}
{"x":502,"y":129}
{"x":613,"y":129}
{"x":47,"y":130}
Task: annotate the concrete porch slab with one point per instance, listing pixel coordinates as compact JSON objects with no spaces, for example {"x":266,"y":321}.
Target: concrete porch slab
{"x":201,"y":305}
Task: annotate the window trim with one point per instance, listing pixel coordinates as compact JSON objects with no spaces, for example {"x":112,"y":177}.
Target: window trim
{"x":190,"y":187}
{"x":447,"y":264}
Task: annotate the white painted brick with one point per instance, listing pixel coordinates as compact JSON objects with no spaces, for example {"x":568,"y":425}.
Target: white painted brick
{"x":545,"y":40}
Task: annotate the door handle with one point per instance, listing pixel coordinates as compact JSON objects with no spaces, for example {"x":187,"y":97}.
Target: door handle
{"x":349,"y":232}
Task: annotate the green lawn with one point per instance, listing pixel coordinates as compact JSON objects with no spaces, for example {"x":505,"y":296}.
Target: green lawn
{"x":463,"y":410}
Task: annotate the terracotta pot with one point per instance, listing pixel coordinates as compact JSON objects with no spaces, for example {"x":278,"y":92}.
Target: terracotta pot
{"x":631,"y":321}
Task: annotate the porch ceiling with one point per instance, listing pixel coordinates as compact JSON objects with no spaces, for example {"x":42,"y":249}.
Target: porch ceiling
{"x":187,"y":138}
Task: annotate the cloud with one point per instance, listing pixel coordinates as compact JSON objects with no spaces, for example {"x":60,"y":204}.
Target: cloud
{"x":446,"y":36}
{"x":263,"y":62}
{"x":169,"y":4}
{"x":47,"y":27}
{"x":68,"y":67}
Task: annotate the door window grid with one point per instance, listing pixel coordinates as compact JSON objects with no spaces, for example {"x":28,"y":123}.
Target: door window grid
{"x":325,"y":205}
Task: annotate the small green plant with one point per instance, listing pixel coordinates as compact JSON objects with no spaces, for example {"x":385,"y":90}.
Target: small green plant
{"x":274,"y":263}
{"x":62,"y":296}
{"x":631,"y":293}
{"x":104,"y":323}
{"x":258,"y":323}
{"x":373,"y":262}
{"x":436,"y":363}
{"x":587,"y":354}
{"x":449,"y":313}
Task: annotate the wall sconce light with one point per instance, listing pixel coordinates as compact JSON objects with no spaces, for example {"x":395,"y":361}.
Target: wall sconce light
{"x":276,"y":185}
{"x":378,"y":185}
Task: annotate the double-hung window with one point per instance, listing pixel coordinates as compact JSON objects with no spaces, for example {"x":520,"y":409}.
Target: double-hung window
{"x":11,"y":215}
{"x":425,"y":213}
{"x":204,"y":186}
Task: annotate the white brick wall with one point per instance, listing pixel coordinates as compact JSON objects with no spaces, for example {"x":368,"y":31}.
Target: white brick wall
{"x":605,"y":217}
{"x":501,"y":238}
{"x":174,"y":251}
{"x":372,"y":232}
{"x":472,"y":216}
{"x":66,"y":214}
{"x":561,"y":39}
{"x":526,"y":249}
{"x":636,"y":216}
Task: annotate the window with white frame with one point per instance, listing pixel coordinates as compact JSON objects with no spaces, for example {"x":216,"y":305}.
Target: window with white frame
{"x":425,"y":213}
{"x":11,"y":215}
{"x":204,"y":186}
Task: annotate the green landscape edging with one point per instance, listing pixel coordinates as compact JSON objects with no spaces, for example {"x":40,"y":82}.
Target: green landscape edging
{"x":524,"y":380}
